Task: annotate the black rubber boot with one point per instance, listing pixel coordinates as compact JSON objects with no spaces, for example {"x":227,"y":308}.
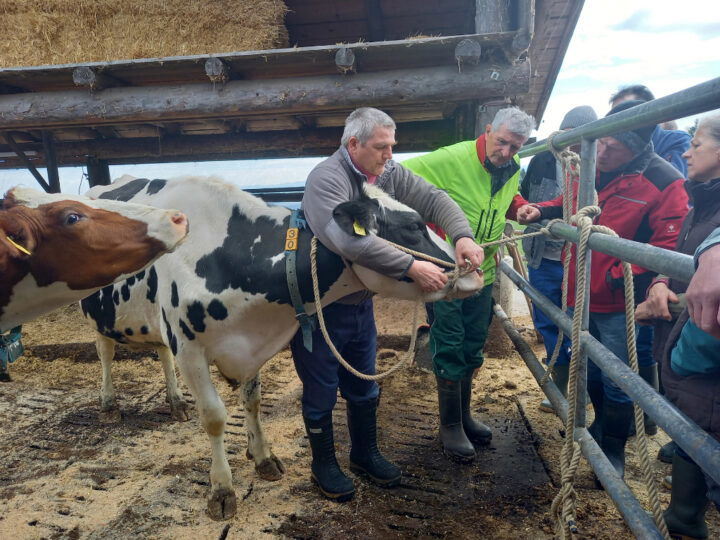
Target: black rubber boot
{"x":477,"y":432}
{"x":650,"y":376}
{"x":685,"y":517}
{"x":596,"y":391}
{"x":326,"y":472}
{"x":616,"y":419}
{"x":455,"y":442}
{"x":365,"y":458}
{"x":560,"y":376}
{"x":666,"y":452}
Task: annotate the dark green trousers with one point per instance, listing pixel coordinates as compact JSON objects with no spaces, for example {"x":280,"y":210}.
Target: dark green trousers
{"x":458,"y":334}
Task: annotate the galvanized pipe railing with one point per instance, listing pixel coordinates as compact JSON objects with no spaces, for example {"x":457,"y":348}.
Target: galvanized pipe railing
{"x":638,"y":520}
{"x":696,"y":99}
{"x":701,"y":447}
{"x":669,"y":263}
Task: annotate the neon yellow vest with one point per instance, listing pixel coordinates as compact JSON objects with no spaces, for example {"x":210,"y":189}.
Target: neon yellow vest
{"x":457,"y":170}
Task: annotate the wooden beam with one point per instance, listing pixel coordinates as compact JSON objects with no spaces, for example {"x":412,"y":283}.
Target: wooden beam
{"x":51,"y":162}
{"x":219,"y":71}
{"x":98,"y":171}
{"x":468,"y":52}
{"x":94,"y":79}
{"x":492,"y":16}
{"x":25,"y":161}
{"x":345,"y":60}
{"x":376,"y":20}
{"x":240,"y":98}
{"x":413,"y":137}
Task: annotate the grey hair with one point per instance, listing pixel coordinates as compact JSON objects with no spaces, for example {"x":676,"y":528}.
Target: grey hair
{"x":711,"y":124}
{"x":362,"y":122}
{"x":515,"y":120}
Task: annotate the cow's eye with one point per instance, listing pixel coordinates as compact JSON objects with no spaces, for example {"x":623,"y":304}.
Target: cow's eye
{"x":73,"y":218}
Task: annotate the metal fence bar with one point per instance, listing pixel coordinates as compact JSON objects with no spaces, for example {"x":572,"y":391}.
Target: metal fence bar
{"x":696,"y":99}
{"x":639,"y":521}
{"x":669,"y":263}
{"x":701,"y":447}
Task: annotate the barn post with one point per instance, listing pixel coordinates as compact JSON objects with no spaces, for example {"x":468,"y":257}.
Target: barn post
{"x":98,"y":171}
{"x":26,"y":161}
{"x":51,"y":162}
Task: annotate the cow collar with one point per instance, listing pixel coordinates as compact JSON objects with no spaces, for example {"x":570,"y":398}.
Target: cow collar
{"x":307,"y":322}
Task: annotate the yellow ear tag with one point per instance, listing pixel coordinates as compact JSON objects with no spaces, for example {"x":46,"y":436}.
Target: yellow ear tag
{"x":18,"y":246}
{"x":359,"y":229}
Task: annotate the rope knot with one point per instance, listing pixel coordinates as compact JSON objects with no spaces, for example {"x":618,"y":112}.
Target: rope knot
{"x":586,"y":212}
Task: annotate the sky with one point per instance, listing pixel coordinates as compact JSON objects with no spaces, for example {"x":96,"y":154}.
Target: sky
{"x":668,"y":46}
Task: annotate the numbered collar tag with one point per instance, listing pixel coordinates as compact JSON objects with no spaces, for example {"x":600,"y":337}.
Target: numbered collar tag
{"x":291,"y":239}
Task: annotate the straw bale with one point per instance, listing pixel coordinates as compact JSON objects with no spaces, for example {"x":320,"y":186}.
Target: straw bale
{"x":39,"y":32}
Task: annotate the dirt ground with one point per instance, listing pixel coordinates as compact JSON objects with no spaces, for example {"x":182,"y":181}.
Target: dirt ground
{"x":65,"y":475}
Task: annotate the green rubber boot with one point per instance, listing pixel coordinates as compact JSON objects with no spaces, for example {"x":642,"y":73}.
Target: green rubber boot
{"x":476,"y":431}
{"x":685,"y":517}
{"x":455,"y":442}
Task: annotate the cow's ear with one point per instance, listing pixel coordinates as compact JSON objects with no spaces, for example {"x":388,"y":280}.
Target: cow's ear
{"x":357,"y":218}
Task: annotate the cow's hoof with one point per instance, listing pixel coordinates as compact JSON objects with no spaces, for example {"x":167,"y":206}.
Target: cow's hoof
{"x":180,"y":411}
{"x":222,"y":504}
{"x":110,"y":416}
{"x":271,"y":469}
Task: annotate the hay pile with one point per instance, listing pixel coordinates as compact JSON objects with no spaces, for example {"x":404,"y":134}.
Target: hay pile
{"x":39,"y":32}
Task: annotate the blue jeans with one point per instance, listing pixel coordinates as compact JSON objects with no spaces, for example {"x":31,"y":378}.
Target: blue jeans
{"x":352,"y":330}
{"x":609,"y":329}
{"x":547,"y":279}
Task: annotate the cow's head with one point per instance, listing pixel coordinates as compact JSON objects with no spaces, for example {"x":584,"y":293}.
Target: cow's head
{"x":379,"y":214}
{"x":76,"y":245}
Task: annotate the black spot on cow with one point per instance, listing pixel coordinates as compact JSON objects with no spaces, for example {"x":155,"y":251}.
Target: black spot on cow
{"x":140,"y":275}
{"x":171,"y":339}
{"x":125,"y":292}
{"x":196,"y":316}
{"x":144,"y":330}
{"x":246,"y":264}
{"x":126,"y":191}
{"x":152,"y":284}
{"x":174,"y":299}
{"x":217,"y":310}
{"x":100,"y":307}
{"x":186,"y":330}
{"x":155,"y":186}
{"x":116,"y":297}
{"x":130,"y":281}
{"x":129,"y":331}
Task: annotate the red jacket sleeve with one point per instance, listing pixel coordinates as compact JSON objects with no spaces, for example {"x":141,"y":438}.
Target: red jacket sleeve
{"x":515,"y":204}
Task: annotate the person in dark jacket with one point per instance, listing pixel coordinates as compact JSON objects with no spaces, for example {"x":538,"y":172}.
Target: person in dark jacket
{"x":669,"y":144}
{"x":643,"y":199}
{"x":690,"y":357}
{"x":542,"y":182}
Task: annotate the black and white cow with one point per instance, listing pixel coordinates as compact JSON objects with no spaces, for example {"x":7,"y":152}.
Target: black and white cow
{"x":222,"y":298}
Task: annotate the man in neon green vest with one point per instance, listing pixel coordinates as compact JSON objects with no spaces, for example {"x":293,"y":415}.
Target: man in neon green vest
{"x":482,"y":177}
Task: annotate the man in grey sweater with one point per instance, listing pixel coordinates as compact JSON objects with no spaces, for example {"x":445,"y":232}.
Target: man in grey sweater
{"x":365,"y":155}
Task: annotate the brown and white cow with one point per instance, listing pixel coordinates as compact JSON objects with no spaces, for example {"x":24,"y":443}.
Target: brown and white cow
{"x":222,"y":297}
{"x":56,"y":249}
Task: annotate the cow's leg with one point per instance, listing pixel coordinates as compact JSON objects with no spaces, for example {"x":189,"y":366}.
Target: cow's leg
{"x":178,"y":408}
{"x":109,"y":410}
{"x":222,"y":503}
{"x":267,"y":465}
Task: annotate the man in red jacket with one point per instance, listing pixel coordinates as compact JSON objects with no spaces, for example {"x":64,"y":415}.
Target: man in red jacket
{"x":643,"y":199}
